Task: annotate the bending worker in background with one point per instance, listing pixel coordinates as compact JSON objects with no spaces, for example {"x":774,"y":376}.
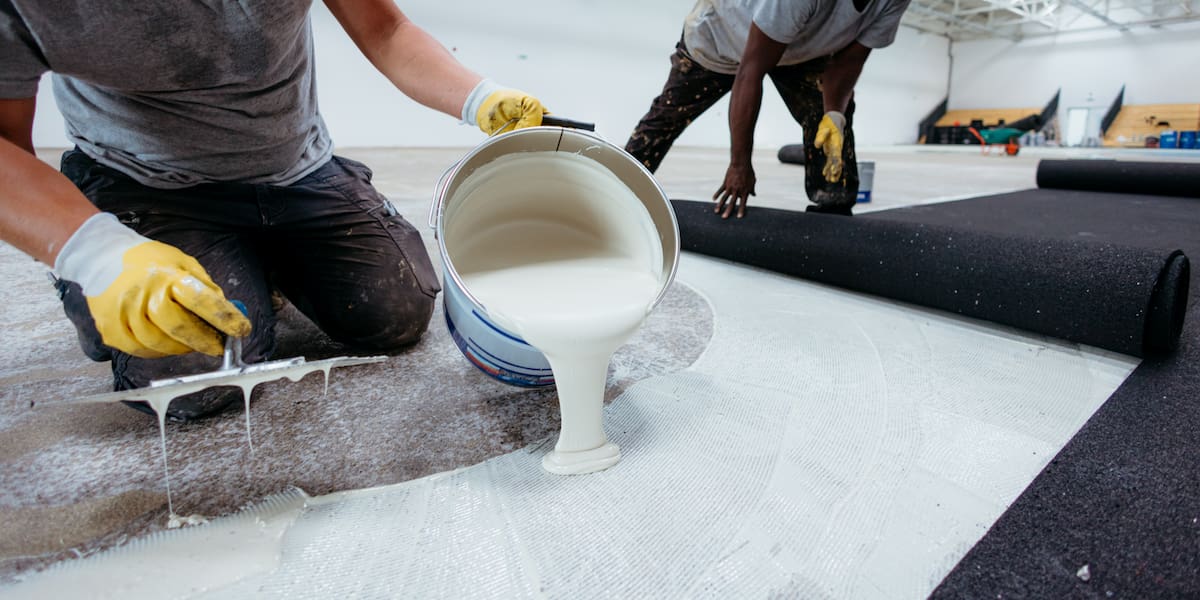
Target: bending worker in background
{"x":813,"y":50}
{"x":203,"y":171}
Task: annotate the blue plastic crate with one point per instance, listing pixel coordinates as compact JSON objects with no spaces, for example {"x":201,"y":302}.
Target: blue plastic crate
{"x":1188,"y":139}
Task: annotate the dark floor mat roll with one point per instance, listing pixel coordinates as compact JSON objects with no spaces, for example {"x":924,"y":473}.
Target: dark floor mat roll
{"x":792,"y":154}
{"x":1125,"y":299}
{"x":1122,"y":177}
{"x":1121,"y":496}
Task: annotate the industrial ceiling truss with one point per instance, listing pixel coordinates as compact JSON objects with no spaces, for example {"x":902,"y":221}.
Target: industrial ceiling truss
{"x":1019,"y":19}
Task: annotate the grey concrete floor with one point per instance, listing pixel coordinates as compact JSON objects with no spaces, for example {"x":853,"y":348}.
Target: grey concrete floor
{"x":77,"y":480}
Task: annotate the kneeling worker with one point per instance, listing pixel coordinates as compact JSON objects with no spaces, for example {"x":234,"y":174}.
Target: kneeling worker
{"x":203,"y":171}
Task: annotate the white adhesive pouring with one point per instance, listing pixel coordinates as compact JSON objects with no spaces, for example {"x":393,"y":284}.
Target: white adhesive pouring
{"x":561,"y":252}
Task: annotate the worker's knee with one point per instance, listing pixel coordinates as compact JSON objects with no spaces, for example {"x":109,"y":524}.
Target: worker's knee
{"x":383,"y":327}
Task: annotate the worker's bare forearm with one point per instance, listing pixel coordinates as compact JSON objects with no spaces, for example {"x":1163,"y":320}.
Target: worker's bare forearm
{"x":761,"y":55}
{"x":840,"y":77}
{"x":416,"y":63}
{"x":16,"y":121}
{"x":744,"y":104}
{"x":39,"y":207}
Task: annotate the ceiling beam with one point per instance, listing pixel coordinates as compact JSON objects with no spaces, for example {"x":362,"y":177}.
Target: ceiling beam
{"x":921,"y":9}
{"x":1082,"y":6}
{"x":1009,"y":19}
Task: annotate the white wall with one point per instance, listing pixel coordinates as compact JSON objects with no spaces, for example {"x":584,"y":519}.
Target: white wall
{"x":899,"y":86}
{"x":1157,"y":66}
{"x":600,"y":61}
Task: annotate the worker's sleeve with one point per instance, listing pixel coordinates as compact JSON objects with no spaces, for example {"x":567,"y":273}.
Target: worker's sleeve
{"x":784,"y":20}
{"x":882,"y":32}
{"x":22,"y":63}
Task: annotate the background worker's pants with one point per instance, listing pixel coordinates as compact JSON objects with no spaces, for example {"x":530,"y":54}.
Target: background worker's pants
{"x":691,"y":89}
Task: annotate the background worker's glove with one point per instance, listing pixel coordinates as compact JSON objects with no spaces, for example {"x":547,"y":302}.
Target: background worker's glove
{"x":148,"y":299}
{"x":829,"y":140}
{"x":491,"y":108}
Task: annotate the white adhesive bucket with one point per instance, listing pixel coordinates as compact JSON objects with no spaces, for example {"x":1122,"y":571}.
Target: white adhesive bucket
{"x":493,"y":349}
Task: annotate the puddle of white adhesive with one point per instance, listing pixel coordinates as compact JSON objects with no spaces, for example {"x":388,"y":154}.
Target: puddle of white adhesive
{"x":825,"y":445}
{"x":177,"y":564}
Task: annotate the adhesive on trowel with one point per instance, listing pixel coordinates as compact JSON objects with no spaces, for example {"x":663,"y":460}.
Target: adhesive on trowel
{"x":159,"y":394}
{"x":159,"y":399}
{"x":566,"y":262}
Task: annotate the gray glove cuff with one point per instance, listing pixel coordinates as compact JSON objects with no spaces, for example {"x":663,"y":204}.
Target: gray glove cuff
{"x":838,"y":119}
{"x":475,"y":99}
{"x":94,"y":255}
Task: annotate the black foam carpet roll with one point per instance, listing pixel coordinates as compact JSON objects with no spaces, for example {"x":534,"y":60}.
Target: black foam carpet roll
{"x":1126,"y":299}
{"x":1122,"y":177}
{"x":792,"y":154}
{"x":1122,"y":496}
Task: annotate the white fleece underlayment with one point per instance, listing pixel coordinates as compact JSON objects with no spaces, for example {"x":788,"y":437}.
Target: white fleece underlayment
{"x":825,"y":445}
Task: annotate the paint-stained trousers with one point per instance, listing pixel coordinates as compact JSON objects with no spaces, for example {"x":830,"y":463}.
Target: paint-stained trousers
{"x":691,"y":89}
{"x":330,"y":243}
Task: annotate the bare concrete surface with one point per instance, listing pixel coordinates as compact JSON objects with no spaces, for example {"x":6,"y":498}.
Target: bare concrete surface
{"x":77,"y":480}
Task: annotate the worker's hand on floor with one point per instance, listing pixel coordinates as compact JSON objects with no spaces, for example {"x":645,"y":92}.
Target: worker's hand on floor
{"x":736,"y":190}
{"x":148,"y":299}
{"x":829,"y":140}
{"x":506,"y":109}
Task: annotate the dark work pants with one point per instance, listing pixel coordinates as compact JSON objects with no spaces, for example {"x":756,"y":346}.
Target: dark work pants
{"x":691,"y":89}
{"x":331,"y":243}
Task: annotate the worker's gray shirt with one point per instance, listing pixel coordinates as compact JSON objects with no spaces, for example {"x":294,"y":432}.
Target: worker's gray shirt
{"x":715,"y":31}
{"x":175,"y":93}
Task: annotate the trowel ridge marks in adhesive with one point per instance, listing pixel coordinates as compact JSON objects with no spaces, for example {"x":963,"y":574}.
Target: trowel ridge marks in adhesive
{"x":562,"y":253}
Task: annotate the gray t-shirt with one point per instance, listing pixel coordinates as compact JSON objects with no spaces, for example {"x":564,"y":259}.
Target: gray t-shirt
{"x":715,"y":31}
{"x":175,"y":93}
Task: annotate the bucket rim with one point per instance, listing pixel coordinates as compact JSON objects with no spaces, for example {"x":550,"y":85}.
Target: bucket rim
{"x":437,"y":209}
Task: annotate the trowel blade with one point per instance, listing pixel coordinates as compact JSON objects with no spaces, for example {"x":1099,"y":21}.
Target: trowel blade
{"x":257,"y":368}
{"x":194,"y":383}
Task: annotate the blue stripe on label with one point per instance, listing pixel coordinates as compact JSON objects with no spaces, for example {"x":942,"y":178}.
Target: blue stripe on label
{"x":498,"y":330}
{"x":495,"y":359}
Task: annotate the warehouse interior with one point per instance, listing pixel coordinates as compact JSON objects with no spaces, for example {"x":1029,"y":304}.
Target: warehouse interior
{"x":984,"y":384}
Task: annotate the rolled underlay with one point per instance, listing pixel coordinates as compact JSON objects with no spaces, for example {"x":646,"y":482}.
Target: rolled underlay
{"x":1122,"y":177}
{"x":1120,"y":298}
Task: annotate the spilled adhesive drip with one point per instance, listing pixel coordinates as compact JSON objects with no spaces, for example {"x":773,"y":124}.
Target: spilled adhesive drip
{"x":246,"y":403}
{"x":176,"y":521}
{"x":160,"y":411}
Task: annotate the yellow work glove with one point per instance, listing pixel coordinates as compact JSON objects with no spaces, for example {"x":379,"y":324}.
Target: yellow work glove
{"x":829,"y":140}
{"x":148,"y":299}
{"x":493,"y":108}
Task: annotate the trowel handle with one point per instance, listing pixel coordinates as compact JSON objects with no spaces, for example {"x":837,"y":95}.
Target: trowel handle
{"x":553,"y":121}
{"x":232,"y":358}
{"x":242,"y":307}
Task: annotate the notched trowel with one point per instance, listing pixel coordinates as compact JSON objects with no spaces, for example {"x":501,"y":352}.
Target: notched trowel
{"x":233,"y":372}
